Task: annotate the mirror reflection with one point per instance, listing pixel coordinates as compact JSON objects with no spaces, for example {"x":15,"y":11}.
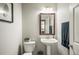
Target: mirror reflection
{"x":47,"y":23}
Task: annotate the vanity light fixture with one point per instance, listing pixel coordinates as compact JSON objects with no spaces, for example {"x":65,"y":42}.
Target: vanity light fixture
{"x":47,"y":10}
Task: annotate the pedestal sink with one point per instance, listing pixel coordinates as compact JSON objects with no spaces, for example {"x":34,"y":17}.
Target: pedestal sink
{"x":48,"y":43}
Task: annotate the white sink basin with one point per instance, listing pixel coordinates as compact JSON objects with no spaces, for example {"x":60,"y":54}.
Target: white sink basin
{"x":30,"y":42}
{"x":49,"y":41}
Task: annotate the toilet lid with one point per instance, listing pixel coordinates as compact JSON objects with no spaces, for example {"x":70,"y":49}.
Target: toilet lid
{"x":27,"y":53}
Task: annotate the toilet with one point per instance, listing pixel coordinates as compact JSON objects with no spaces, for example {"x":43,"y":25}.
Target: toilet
{"x":29,"y":47}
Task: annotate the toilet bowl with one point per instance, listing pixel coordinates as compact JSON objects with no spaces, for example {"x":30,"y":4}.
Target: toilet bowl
{"x":29,"y":47}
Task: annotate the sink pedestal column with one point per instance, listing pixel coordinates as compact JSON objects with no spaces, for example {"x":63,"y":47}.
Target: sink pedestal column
{"x":48,"y":49}
{"x":49,"y":43}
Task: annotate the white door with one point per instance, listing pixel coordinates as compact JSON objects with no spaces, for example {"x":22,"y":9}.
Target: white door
{"x":74,"y":29}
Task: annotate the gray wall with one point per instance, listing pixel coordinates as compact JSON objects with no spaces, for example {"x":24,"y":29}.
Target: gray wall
{"x":62,"y":16}
{"x":30,"y":23}
{"x":11,"y":33}
{"x":31,"y":19}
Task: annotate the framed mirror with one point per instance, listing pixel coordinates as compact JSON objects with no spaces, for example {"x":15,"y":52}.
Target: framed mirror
{"x":6,"y":12}
{"x":47,"y":24}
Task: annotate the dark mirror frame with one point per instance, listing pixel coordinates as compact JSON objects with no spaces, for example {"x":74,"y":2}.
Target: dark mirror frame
{"x":40,"y":24}
{"x":3,"y":20}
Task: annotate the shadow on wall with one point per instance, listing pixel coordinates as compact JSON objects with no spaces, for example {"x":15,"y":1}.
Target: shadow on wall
{"x":19,"y":50}
{"x":40,"y":48}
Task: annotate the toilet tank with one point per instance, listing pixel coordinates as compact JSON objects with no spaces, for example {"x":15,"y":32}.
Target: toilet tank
{"x":29,"y":46}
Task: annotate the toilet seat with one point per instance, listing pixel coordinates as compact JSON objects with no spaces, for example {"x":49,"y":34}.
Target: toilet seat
{"x":27,"y":54}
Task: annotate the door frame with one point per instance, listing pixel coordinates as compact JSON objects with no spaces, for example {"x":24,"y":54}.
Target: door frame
{"x":72,"y":29}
